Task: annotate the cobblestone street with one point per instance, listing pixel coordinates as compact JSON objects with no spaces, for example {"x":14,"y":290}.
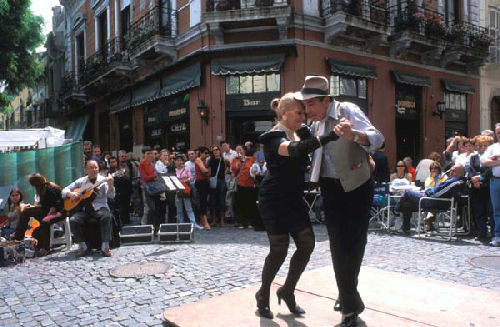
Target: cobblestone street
{"x":60,"y":290}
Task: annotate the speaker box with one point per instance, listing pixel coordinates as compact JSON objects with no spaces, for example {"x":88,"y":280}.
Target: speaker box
{"x":137,"y":234}
{"x":176,"y":232}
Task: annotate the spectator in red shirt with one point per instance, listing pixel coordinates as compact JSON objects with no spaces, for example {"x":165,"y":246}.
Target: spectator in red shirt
{"x":148,"y":174}
{"x":246,"y":195}
{"x":409,"y":163}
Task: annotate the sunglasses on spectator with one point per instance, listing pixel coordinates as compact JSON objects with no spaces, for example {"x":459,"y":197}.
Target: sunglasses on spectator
{"x":399,"y":166}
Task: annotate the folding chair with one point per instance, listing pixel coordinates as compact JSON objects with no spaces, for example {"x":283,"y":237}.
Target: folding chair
{"x":65,"y":239}
{"x":444,"y":217}
{"x":378,"y":211}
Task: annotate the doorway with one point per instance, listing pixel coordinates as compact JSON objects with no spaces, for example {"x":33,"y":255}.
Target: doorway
{"x":104,"y":131}
{"x":495,"y":111}
{"x":408,"y":113}
{"x":126,"y":133}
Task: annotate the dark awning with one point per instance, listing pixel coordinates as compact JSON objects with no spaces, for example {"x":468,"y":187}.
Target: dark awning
{"x":120,"y":102}
{"x":351,"y":69}
{"x":458,"y":87}
{"x":146,"y":92}
{"x":181,"y":80}
{"x":410,"y":79}
{"x":247,"y":65}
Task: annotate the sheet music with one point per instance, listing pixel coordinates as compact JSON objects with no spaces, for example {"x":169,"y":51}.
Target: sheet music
{"x":177,"y":183}
{"x":170,"y":185}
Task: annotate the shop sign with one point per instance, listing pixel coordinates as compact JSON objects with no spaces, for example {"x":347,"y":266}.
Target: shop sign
{"x":249,"y":103}
{"x":156,"y":132}
{"x":177,"y":112}
{"x":456,"y":115}
{"x":152,"y":119}
{"x":179,"y":127}
{"x":406,"y":106}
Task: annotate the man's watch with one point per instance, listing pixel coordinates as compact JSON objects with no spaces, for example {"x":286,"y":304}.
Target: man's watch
{"x":356,"y":136}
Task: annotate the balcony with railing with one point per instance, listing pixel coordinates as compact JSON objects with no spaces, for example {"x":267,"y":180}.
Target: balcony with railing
{"x":359,"y":21}
{"x":70,"y":90}
{"x":153,"y":34}
{"x":109,"y":62}
{"x":429,"y":33}
{"x":247,"y":14}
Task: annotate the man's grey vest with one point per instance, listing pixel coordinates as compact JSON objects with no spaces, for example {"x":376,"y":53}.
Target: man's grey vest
{"x":350,"y":159}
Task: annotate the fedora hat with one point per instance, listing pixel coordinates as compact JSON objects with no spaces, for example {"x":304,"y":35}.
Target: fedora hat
{"x":314,"y":86}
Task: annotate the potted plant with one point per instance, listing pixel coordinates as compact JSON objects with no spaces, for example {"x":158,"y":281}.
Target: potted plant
{"x":434,"y":28}
{"x":456,"y":33}
{"x":481,"y":41}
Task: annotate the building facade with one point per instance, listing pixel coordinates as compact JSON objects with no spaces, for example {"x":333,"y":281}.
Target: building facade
{"x":490,"y":73}
{"x":180,"y":73}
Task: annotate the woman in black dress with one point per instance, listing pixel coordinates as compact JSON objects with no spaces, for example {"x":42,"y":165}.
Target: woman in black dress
{"x":281,"y":200}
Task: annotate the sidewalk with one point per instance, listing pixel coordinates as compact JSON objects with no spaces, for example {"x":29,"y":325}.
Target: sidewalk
{"x":391,"y":299}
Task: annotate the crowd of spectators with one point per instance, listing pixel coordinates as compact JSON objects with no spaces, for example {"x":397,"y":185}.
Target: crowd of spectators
{"x":222,"y":183}
{"x":474,"y":161}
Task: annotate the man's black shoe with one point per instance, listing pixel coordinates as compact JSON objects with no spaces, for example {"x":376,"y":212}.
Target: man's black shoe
{"x":349,"y":321}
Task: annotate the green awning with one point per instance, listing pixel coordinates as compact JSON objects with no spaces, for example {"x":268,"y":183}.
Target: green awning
{"x":146,"y":92}
{"x":181,"y":80}
{"x":351,"y":69}
{"x":76,"y":128}
{"x":120,"y":102}
{"x":247,"y":65}
{"x":410,"y":79}
{"x":458,"y":87}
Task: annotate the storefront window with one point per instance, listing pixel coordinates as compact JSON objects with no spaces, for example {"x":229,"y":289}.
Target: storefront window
{"x":232,"y":85}
{"x":348,"y":86}
{"x":273,"y":82}
{"x":456,"y":101}
{"x":246,"y":84}
{"x":456,"y":114}
{"x":252,"y":84}
{"x":259,"y":84}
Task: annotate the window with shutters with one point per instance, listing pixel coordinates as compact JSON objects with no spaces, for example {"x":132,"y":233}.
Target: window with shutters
{"x":494,"y":27}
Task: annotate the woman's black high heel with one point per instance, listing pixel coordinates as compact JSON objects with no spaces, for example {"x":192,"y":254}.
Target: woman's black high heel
{"x":289,"y":299}
{"x":263,"y":306}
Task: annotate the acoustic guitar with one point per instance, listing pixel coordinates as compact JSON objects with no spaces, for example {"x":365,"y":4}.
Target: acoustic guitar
{"x":32,"y":225}
{"x":87,"y":191}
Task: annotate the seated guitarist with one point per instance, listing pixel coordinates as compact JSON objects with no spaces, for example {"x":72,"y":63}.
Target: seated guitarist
{"x":48,"y":210}
{"x":96,"y":207}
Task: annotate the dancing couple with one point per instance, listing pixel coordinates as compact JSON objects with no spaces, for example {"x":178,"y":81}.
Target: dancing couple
{"x":339,"y":140}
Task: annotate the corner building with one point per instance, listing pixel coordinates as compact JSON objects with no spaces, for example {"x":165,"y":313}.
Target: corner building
{"x":186,"y":73}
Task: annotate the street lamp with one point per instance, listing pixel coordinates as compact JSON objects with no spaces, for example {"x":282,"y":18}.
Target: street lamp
{"x":203,"y":111}
{"x":440,"y":109}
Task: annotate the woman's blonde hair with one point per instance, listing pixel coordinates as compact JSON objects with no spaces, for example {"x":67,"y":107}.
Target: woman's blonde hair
{"x":285,"y":103}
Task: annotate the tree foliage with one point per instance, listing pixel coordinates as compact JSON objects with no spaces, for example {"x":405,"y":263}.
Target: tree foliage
{"x":20,"y":35}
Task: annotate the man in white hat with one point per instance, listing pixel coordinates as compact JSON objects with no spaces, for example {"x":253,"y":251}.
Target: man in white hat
{"x":343,"y":171}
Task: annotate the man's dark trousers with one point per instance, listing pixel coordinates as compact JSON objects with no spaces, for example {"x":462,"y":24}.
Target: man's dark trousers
{"x":347,"y":215}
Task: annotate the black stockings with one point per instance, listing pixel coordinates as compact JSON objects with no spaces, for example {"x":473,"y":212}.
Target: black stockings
{"x":304,"y":241}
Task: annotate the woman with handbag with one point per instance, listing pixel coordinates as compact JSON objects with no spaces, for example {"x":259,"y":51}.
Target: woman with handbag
{"x":202,"y":184}
{"x":217,"y":186}
{"x":281,"y":200}
{"x":183,"y":198}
